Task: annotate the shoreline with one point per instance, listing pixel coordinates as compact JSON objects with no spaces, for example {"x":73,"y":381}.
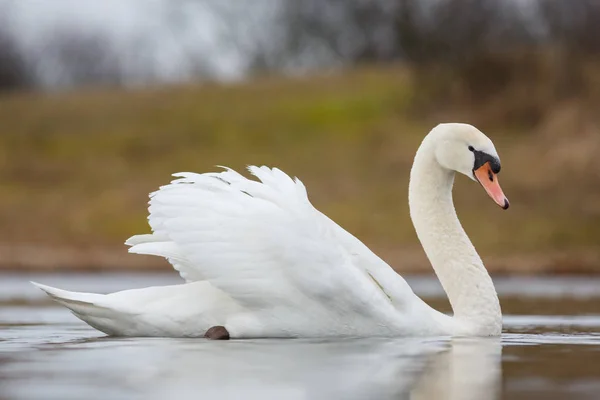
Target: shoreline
{"x":60,"y":259}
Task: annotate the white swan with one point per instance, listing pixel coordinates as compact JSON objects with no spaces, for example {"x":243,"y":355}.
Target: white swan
{"x":261,"y":261}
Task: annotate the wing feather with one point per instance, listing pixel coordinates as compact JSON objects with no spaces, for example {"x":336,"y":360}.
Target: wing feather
{"x":262,"y":242}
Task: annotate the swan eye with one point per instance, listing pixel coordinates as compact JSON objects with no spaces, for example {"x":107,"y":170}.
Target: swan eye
{"x":471,"y":148}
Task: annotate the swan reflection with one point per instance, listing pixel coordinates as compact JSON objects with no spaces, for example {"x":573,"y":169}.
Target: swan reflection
{"x":292,"y":369}
{"x":469,"y":369}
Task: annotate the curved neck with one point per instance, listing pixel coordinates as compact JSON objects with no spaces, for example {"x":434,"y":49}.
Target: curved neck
{"x":456,"y":263}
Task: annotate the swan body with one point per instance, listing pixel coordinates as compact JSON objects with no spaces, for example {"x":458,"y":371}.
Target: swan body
{"x":260,"y":260}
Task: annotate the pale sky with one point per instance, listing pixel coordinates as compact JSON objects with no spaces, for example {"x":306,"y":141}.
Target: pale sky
{"x":158,"y":40}
{"x":163,"y":41}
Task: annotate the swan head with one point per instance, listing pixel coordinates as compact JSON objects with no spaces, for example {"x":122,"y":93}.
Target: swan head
{"x":465,"y":149}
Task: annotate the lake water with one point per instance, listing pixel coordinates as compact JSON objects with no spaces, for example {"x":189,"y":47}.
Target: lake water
{"x":550,"y":350}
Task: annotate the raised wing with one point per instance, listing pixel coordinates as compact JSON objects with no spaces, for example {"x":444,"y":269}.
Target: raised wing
{"x":263,"y":243}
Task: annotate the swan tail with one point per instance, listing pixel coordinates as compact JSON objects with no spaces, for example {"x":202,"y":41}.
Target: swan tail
{"x":86,"y":306}
{"x":184,"y":310}
{"x":73,"y":300}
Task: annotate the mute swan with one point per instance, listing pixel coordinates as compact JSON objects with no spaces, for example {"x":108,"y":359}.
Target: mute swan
{"x":260,"y":261}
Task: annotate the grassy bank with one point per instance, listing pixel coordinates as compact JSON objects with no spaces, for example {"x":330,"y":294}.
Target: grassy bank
{"x":75,"y":168}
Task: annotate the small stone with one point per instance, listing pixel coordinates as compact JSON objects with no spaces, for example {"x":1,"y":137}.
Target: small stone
{"x":217,"y":333}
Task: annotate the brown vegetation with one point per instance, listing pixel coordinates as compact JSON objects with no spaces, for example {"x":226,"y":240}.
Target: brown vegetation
{"x":75,"y":168}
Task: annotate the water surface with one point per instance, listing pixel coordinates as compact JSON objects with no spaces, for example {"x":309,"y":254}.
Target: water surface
{"x":550,"y":349}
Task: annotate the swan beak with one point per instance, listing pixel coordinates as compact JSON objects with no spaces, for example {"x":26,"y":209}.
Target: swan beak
{"x":489,"y":181}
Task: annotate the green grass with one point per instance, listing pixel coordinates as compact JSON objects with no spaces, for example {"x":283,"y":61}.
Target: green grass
{"x":76,"y":168}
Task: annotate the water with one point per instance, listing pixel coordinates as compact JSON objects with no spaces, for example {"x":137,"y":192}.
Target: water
{"x":550,"y":349}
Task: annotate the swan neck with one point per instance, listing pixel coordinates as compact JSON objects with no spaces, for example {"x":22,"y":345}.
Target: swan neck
{"x":452,"y":255}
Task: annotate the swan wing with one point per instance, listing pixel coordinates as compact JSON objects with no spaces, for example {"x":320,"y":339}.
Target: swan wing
{"x":262,"y":242}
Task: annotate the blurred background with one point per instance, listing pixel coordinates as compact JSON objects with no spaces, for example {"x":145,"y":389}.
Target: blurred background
{"x":101,"y":101}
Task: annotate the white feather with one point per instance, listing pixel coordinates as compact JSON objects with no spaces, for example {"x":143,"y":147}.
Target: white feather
{"x":265,"y":245}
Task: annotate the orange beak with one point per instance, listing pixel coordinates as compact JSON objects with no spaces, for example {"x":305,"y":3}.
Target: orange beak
{"x":489,"y":181}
